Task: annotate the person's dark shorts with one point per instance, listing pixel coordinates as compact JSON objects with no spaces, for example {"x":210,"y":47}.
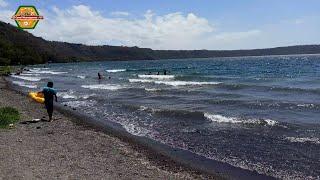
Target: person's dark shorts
{"x":49,"y":107}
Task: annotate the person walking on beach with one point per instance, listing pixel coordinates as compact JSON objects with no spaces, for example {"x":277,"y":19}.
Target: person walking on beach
{"x":49,"y":93}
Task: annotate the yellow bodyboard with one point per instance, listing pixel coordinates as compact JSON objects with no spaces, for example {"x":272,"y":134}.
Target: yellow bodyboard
{"x":38,"y":97}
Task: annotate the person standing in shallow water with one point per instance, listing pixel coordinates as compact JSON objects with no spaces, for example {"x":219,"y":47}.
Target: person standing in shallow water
{"x":49,"y":93}
{"x":99,"y":76}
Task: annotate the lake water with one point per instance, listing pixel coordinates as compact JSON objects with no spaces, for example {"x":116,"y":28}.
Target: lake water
{"x":257,"y":113}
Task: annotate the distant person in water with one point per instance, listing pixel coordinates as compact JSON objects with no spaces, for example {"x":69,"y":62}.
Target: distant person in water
{"x":19,"y":71}
{"x":165,"y":72}
{"x":158,"y":73}
{"x":49,"y":93}
{"x":99,"y":76}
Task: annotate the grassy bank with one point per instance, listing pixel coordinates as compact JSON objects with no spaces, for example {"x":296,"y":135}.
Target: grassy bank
{"x":8,"y":115}
{"x":5,"y":70}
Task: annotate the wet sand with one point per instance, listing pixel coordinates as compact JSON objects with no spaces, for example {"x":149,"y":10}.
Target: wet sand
{"x":63,"y":149}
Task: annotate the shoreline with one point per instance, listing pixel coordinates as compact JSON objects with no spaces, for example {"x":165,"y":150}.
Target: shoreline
{"x":63,"y":149}
{"x":177,"y":156}
{"x":160,"y":154}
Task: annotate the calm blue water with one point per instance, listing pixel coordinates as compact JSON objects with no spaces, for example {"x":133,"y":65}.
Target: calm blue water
{"x":258,"y":113}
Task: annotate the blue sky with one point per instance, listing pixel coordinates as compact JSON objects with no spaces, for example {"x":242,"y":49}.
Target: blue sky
{"x":177,"y":24}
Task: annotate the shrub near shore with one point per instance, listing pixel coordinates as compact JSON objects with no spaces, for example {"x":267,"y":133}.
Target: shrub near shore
{"x":8,"y":115}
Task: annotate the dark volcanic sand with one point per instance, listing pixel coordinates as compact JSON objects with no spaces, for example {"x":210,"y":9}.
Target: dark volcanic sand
{"x":65,"y":150}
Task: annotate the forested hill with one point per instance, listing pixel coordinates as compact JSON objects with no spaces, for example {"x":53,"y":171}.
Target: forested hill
{"x":20,"y":47}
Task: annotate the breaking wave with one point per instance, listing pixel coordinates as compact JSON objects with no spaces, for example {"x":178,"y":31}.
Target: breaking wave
{"x":233,"y":120}
{"x":267,"y":88}
{"x":173,"y":83}
{"x":112,"y":87}
{"x":71,"y":95}
{"x":23,"y":84}
{"x":157,"y":76}
{"x":87,"y":96}
{"x":26,"y":78}
{"x":29,"y":74}
{"x":198,"y":115}
{"x":135,"y":129}
{"x":77,"y":104}
{"x":68,"y":95}
{"x":313,"y":140}
{"x":265,"y":104}
{"x":81,"y":77}
{"x":185,"y":83}
{"x":39,"y":71}
{"x":116,"y":70}
{"x":140,"y":80}
{"x":152,"y":89}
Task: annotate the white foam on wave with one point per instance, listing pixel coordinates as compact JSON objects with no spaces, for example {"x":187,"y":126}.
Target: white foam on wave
{"x":76,"y":104}
{"x":81,"y":77}
{"x":270,"y":122}
{"x":112,"y":87}
{"x":135,"y":129}
{"x":173,"y":83}
{"x":29,"y":74}
{"x":130,"y":125}
{"x":221,"y":119}
{"x":87,"y":96}
{"x":157,"y":76}
{"x":185,"y":83}
{"x":306,"y":105}
{"x":67,"y":95}
{"x":303,"y":140}
{"x":55,"y":73}
{"x":39,"y":71}
{"x":71,"y":95}
{"x":140,"y":80}
{"x":233,"y":120}
{"x":27,"y":78}
{"x":152,"y":89}
{"x":116,"y":70}
{"x":143,"y":108}
{"x":23,"y":84}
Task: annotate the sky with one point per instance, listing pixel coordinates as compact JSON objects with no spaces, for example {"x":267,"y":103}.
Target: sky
{"x":175,"y":24}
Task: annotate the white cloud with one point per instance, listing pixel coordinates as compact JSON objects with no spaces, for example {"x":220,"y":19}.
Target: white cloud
{"x":5,"y":16}
{"x":81,"y":24}
{"x":298,"y":21}
{"x":3,"y":3}
{"x":120,"y":13}
{"x":237,"y":35}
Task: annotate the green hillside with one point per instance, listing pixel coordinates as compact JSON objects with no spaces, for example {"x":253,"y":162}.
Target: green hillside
{"x":20,"y":47}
